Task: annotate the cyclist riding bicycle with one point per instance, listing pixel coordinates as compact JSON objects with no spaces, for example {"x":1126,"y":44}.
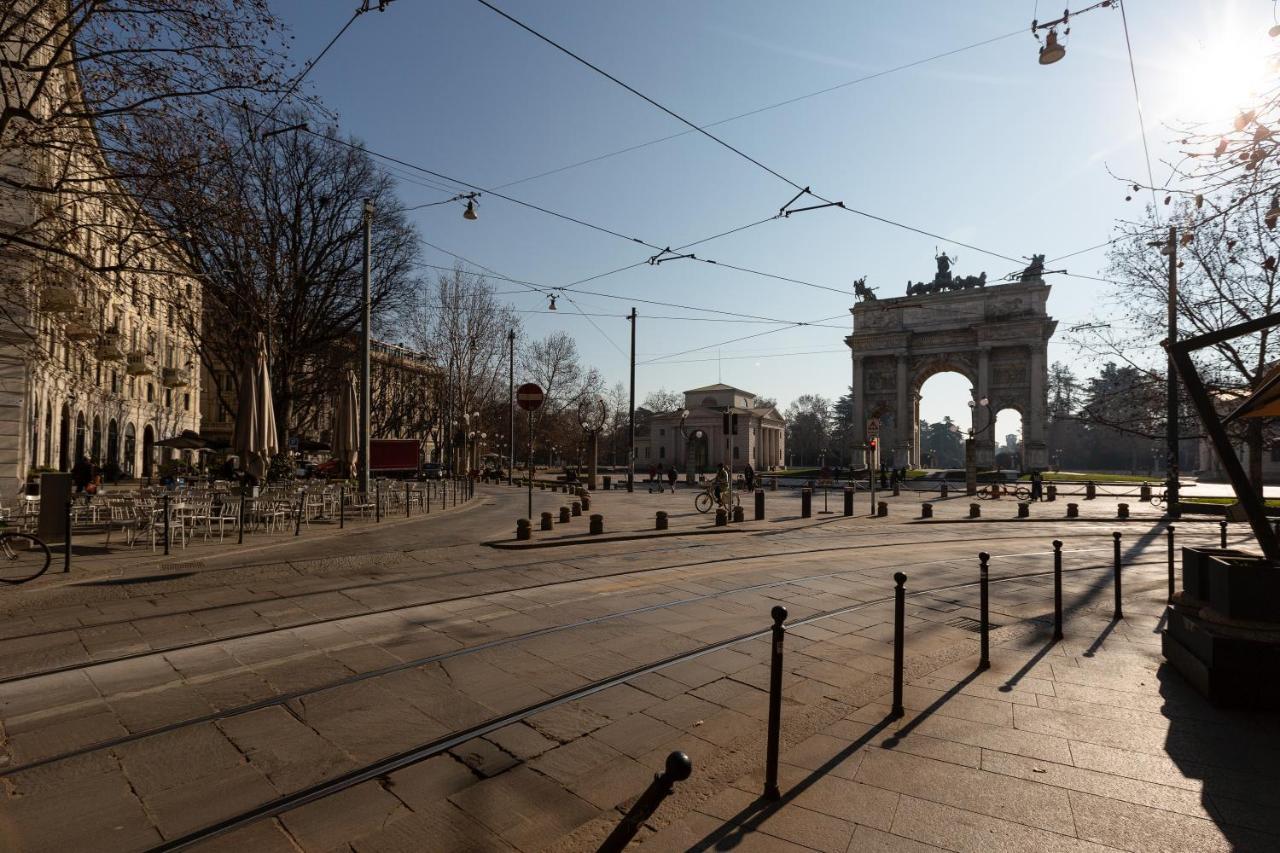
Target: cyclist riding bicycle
{"x":721,"y":483}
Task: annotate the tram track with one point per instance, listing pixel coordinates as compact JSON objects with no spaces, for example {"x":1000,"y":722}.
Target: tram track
{"x":18,"y":677}
{"x":405,"y":758}
{"x":402,"y":666}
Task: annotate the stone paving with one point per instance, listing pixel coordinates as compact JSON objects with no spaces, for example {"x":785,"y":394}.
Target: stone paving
{"x":164,"y":705}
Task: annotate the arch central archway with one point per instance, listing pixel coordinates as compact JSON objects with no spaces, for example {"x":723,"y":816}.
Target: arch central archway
{"x":997,"y":337}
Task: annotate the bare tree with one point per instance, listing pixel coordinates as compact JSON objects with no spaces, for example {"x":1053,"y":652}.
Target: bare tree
{"x":554,"y":364}
{"x":273,"y":227}
{"x":77,"y":78}
{"x":663,"y":400}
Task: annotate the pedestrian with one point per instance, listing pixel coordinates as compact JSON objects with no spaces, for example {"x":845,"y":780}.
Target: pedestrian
{"x":721,"y":483}
{"x":749,"y":474}
{"x":82,"y":473}
{"x":671,"y":478}
{"x":1037,"y":484}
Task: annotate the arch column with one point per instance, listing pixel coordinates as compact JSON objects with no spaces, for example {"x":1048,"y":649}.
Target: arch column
{"x":902,"y":417}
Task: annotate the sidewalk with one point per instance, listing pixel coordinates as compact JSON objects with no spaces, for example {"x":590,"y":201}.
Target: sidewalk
{"x":1087,"y":744}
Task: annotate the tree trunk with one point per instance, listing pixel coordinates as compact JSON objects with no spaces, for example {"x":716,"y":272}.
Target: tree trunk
{"x":1253,"y":440}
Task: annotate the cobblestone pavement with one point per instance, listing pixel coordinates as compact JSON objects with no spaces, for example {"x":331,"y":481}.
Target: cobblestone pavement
{"x":534,"y":690}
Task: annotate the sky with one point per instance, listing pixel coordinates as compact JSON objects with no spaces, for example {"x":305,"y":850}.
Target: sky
{"x":983,"y":146}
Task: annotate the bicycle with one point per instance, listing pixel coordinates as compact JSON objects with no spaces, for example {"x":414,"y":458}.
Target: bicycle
{"x":1160,"y":498}
{"x":23,"y":557}
{"x":705,"y":500}
{"x":994,"y":490}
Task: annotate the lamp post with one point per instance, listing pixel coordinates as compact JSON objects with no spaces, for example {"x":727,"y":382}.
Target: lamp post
{"x":592,"y":413}
{"x":684,"y":433}
{"x":970,"y":449}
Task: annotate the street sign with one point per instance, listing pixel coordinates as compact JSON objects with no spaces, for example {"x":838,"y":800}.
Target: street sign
{"x":529,"y":396}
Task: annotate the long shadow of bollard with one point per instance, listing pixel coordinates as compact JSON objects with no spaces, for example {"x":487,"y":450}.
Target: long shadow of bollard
{"x":1013,"y":680}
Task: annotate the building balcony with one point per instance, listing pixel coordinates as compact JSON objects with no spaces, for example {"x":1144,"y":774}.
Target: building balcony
{"x":110,"y":346}
{"x":173,"y":377}
{"x":79,"y":328}
{"x":139,"y":364}
{"x":59,"y":299}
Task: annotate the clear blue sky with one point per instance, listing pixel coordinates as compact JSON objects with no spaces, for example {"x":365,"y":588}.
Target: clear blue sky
{"x":985,"y":146}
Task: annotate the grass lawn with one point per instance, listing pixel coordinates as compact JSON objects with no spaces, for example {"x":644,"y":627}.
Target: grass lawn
{"x":1097,"y":477}
{"x":1272,"y":502}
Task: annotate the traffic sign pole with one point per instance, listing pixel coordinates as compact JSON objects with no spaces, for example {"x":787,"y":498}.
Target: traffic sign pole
{"x":529,"y":397}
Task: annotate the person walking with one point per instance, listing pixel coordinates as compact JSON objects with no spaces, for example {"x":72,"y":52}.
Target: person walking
{"x":1037,"y":485}
{"x":749,"y":475}
{"x":671,"y":478}
{"x":81,"y":473}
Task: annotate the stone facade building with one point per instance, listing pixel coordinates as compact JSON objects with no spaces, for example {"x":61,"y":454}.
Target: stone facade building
{"x":96,"y":353}
{"x":694,"y":439}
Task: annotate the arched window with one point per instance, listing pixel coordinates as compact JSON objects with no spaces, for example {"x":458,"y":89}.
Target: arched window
{"x":48,"y":435}
{"x":95,"y":452}
{"x":35,"y":435}
{"x":81,"y":436}
{"x":130,"y":460}
{"x":148,"y":449}
{"x":113,"y":441}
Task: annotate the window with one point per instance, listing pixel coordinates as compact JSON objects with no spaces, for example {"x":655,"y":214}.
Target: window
{"x":735,"y":428}
{"x":662,"y":453}
{"x":735,"y":451}
{"x":151,"y":305}
{"x":1275,"y":453}
{"x":151,"y":393}
{"x":646,"y":453}
{"x":662,"y":432}
{"x":186,"y":402}
{"x":168,"y":398}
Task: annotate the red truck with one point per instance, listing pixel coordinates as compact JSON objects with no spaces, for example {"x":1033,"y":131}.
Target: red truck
{"x":395,"y":456}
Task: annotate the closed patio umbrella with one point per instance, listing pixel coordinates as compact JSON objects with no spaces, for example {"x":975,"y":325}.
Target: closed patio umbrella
{"x":254,"y":440}
{"x":344,"y":426}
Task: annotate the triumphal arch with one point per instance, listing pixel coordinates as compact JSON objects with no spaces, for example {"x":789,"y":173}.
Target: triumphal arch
{"x":996,"y":335}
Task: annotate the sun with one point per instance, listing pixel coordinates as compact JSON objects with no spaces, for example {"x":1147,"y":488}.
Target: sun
{"x":1218,"y":78}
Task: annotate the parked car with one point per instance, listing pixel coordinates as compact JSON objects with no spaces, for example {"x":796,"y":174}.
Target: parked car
{"x":432,"y":471}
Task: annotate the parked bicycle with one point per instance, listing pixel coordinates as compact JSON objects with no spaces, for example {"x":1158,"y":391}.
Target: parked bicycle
{"x":1160,"y":498}
{"x":23,"y":557}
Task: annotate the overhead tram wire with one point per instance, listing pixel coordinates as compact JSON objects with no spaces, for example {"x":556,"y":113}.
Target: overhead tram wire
{"x":739,"y":152}
{"x":662,"y":358}
{"x":758,"y":110}
{"x":1137,"y":102}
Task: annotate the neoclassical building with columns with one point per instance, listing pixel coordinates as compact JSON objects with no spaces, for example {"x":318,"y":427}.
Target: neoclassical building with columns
{"x":97,"y":357}
{"x":695,"y":438}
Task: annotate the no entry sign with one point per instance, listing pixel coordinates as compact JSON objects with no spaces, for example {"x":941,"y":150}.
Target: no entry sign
{"x":529,"y":396}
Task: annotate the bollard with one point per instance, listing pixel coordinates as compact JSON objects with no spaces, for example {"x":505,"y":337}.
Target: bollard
{"x":1222,"y":527}
{"x":942,"y":492}
{"x":1090,"y":490}
{"x":576,"y":508}
{"x":773,"y":484}
{"x":806,"y":503}
{"x":660,"y":522}
{"x":1073,"y":510}
{"x":1169,"y":533}
{"x":165,"y":510}
{"x":1024,"y":509}
{"x":606,"y":482}
{"x":586,"y":503}
{"x":975,"y":510}
{"x":759,"y":504}
{"x":926,"y":510}
{"x":984,"y":615}
{"x":66,"y":552}
{"x":1051,"y":493}
{"x":1122,"y":510}
{"x":882,"y":509}
{"x":899,"y":616}
{"x":406,"y":499}
{"x":848,"y":501}
{"x":738,"y":514}
{"x":1119,"y":612}
{"x":524,"y":529}
{"x":597,"y":523}
{"x":342,"y":507}
{"x":1144,"y":493}
{"x":897,"y":489}
{"x":297,"y":524}
{"x":564,"y":515}
{"x":771,"y":791}
{"x":678,"y":768}
{"x":1057,"y":589}
{"x":546,"y":521}
{"x":722,"y":517}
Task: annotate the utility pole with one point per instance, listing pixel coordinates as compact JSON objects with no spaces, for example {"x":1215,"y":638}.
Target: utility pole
{"x":1171,"y":417}
{"x":631,"y":430}
{"x":365,"y":299}
{"x":511,"y":402}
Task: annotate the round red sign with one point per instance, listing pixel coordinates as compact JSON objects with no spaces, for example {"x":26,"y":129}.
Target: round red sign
{"x":529,"y":396}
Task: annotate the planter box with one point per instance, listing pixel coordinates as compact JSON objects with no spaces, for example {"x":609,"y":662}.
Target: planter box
{"x":1196,"y":569}
{"x":1243,"y":587}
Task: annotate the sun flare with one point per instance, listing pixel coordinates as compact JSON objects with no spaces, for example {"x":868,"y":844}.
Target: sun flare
{"x":1219,"y":78}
